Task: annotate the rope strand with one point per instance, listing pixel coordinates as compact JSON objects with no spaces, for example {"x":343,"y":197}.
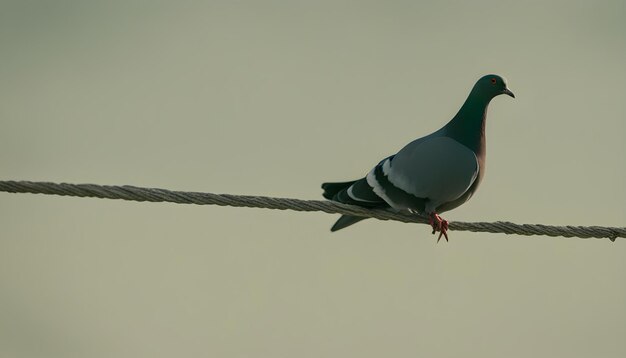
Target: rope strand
{"x":127,"y":192}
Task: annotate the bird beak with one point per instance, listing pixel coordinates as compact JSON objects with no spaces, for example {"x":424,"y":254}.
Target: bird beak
{"x":508,"y":92}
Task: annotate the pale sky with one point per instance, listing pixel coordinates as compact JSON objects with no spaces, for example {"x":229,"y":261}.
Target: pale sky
{"x":274,"y":98}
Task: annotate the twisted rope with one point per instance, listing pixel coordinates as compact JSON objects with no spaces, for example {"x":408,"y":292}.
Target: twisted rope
{"x":127,"y":192}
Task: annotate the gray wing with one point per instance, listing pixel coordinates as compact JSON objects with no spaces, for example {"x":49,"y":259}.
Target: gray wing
{"x":435,"y":167}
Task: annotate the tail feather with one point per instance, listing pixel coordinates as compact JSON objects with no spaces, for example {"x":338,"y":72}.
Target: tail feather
{"x":345,"y":221}
{"x":360,"y":194}
{"x":332,"y":189}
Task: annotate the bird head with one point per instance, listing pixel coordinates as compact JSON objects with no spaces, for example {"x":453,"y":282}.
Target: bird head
{"x":492,"y":85}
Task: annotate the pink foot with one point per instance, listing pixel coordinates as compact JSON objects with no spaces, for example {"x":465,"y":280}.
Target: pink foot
{"x":439,"y":224}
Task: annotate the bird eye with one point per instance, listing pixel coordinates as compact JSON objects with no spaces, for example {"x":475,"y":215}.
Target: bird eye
{"x":493,"y":80}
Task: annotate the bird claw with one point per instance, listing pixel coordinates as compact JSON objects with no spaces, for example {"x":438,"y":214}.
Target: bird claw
{"x":439,"y":224}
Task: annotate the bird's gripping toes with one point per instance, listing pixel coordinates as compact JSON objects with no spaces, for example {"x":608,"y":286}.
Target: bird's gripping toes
{"x":432,"y":174}
{"x":439,"y":224}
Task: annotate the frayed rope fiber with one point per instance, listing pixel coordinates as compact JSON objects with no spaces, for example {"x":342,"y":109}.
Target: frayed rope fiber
{"x":127,"y":192}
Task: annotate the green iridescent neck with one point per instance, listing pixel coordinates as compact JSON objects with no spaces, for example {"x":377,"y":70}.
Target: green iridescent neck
{"x":468,"y":125}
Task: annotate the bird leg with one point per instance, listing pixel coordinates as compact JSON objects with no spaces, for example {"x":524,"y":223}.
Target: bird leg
{"x":439,"y":224}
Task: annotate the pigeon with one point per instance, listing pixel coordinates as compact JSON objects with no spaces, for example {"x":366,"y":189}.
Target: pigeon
{"x":432,"y":174}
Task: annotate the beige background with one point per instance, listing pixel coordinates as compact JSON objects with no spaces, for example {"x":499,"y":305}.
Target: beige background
{"x":273,"y":98}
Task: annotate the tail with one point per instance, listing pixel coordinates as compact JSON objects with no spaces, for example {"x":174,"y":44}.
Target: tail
{"x":339,"y":192}
{"x":332,"y":189}
{"x":356,"y":192}
{"x":345,"y":221}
